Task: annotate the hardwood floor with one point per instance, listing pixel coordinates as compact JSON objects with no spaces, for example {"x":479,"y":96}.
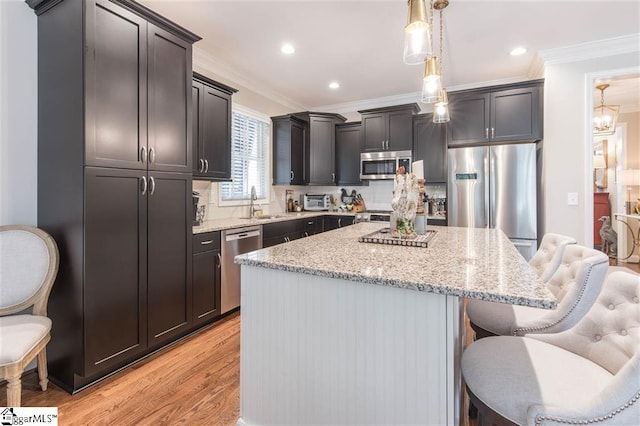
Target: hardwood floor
{"x":633,"y":266}
{"x":196,"y":382}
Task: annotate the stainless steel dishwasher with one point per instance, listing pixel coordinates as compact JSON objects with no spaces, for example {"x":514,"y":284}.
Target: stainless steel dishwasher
{"x":234,"y":242}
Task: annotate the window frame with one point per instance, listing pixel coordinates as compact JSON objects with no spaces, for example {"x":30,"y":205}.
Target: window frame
{"x":267,"y":169}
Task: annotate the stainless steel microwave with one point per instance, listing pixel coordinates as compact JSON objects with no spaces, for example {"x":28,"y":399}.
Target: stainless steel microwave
{"x":383,"y":165}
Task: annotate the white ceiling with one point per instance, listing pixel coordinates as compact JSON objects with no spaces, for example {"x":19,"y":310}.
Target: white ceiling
{"x":359,"y":43}
{"x":623,"y":91}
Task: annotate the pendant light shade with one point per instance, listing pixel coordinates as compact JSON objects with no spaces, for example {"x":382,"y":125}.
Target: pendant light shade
{"x":441,"y":108}
{"x":417,"y":39}
{"x":604,"y":116}
{"x":432,"y":82}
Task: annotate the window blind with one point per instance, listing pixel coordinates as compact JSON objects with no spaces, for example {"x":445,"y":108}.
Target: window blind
{"x":249,"y":145}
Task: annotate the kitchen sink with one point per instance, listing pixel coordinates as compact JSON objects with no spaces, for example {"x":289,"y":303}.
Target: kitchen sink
{"x":263,"y":217}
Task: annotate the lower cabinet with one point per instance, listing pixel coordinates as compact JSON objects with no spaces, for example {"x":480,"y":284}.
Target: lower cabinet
{"x":206,"y":277}
{"x":335,"y":222}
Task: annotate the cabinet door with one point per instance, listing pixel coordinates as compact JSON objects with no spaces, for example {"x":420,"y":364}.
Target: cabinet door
{"x":348,"y":154}
{"x":206,"y":286}
{"x":197,"y":90}
{"x":515,"y":115}
{"x":281,"y":151}
{"x":469,"y":118}
{"x":216,"y":133}
{"x":399,"y":131}
{"x":374,"y":132}
{"x":169,"y":255}
{"x":115,"y":281}
{"x":170,"y":125}
{"x":298,"y":136}
{"x":430,"y":145}
{"x":322,"y":151}
{"x":116,"y":86}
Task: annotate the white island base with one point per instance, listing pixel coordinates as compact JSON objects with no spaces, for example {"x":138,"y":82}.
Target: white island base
{"x":327,"y":351}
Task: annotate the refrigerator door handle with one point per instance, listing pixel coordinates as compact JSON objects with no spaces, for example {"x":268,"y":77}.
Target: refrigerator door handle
{"x":491,"y":190}
{"x":487,"y":195}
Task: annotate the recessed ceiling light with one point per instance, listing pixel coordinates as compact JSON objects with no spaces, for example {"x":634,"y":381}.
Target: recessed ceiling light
{"x":287,"y":49}
{"x":517,"y":51}
{"x":334,"y":85}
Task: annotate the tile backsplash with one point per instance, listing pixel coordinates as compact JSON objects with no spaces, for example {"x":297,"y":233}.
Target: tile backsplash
{"x":377,"y":196}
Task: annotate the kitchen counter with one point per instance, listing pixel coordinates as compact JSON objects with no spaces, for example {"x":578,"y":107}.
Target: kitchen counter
{"x":335,"y":331}
{"x":230,"y":223}
{"x":478,"y":263}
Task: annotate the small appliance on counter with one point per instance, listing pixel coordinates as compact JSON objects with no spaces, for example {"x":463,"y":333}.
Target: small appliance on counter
{"x":195,"y":198}
{"x":316,"y":202}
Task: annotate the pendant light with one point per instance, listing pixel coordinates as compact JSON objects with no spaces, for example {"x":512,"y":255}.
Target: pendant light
{"x":417,"y":37}
{"x":441,"y":107}
{"x":604,"y":116}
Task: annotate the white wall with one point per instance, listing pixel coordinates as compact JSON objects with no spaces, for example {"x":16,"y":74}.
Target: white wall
{"x":18,"y":114}
{"x":566,"y":145}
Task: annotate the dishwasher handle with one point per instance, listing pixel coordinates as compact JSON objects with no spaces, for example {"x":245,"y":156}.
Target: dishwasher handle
{"x":242,"y":235}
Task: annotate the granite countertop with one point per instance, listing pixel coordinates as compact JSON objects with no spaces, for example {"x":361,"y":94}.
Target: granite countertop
{"x":230,"y":223}
{"x":478,"y":263}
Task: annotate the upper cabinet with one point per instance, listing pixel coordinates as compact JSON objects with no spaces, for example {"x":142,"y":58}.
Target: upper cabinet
{"x":320,"y":147}
{"x":388,"y":129}
{"x":289,"y":134}
{"x":137,"y":89}
{"x":499,"y":114}
{"x":211,"y":128}
{"x":348,"y":141}
{"x":430,"y":145}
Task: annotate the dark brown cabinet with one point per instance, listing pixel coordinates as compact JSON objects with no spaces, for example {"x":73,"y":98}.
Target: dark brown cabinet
{"x":499,"y":114}
{"x":313,"y":226}
{"x":289,"y":135}
{"x":114,"y":181}
{"x":348,"y":139}
{"x":430,"y":146}
{"x":282,"y":232}
{"x":335,"y":222}
{"x":206,"y":277}
{"x":211,"y":129}
{"x":388,"y":129}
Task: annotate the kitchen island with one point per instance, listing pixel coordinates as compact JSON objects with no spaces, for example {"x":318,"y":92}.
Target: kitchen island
{"x":335,"y":331}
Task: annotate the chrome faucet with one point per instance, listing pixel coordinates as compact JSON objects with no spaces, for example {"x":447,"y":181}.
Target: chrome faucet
{"x":254,"y":197}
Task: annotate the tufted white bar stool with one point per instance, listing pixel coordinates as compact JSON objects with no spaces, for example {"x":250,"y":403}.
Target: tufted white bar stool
{"x":575,"y":284}
{"x":549,"y":256}
{"x":589,"y":374}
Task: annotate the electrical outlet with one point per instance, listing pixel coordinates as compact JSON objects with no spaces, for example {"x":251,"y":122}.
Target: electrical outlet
{"x":572,"y":198}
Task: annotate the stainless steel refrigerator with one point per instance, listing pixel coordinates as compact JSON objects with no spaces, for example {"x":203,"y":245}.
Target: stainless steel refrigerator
{"x":495,"y":187}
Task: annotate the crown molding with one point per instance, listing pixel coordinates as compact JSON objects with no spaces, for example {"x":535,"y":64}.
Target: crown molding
{"x":205,"y":61}
{"x":408,"y":98}
{"x":596,"y":49}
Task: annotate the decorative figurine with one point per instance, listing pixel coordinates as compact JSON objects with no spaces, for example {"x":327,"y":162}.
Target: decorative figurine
{"x":404,"y":204}
{"x":609,"y":237}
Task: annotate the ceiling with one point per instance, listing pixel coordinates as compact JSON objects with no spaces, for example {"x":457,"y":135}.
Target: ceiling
{"x":359,"y":43}
{"x":623,"y":91}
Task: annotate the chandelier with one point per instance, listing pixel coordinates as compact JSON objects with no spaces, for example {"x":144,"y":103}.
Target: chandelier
{"x":441,"y":106}
{"x":417,"y":34}
{"x":604,"y":116}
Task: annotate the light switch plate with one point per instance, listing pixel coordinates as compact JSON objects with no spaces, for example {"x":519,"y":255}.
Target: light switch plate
{"x":572,"y":198}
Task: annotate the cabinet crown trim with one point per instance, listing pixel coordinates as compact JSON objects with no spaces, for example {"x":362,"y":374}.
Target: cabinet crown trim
{"x":489,"y":89}
{"x":206,"y":80}
{"x":41,"y":6}
{"x":305,"y":115}
{"x":415,"y":108}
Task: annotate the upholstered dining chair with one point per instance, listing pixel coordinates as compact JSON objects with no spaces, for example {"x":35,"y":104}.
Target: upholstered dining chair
{"x":589,"y":374}
{"x":549,"y":255}
{"x":575,"y":284}
{"x":28,"y":267}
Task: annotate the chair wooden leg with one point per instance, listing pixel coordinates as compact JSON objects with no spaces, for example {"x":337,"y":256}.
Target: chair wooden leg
{"x":42,"y":369}
{"x":14,"y":390}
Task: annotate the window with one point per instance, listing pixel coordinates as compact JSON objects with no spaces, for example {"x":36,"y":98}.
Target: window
{"x":249,"y":152}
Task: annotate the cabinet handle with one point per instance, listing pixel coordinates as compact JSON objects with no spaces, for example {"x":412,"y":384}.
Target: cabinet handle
{"x":152,"y":185}
{"x":486,"y":133}
{"x":152,"y":155}
{"x":143,"y":154}
{"x":339,"y":222}
{"x":204,"y":243}
{"x":200,"y":165}
{"x":292,"y":175}
{"x":219,"y":261}
{"x":144,"y":185}
{"x":310,"y":222}
{"x":387,"y":144}
{"x":333,"y":177}
{"x":306,"y":234}
{"x":493,"y":132}
{"x":206,"y":166}
{"x":383,"y":145}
